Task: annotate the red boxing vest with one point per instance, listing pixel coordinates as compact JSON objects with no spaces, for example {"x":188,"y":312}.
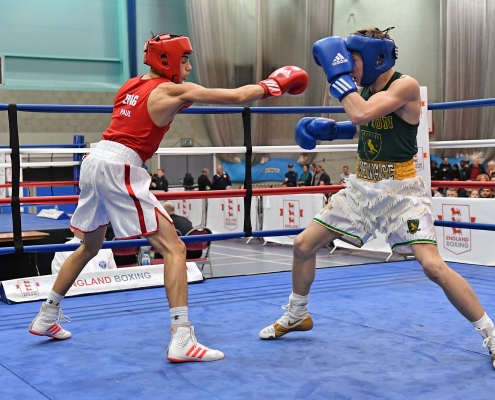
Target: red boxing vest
{"x":131,"y":123}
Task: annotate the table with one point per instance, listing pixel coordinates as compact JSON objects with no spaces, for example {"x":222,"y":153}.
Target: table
{"x":26,"y":236}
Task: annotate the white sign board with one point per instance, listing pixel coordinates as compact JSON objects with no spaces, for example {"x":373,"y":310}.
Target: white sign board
{"x":227,"y":215}
{"x":38,"y":287}
{"x":192,"y":209}
{"x":290,"y":212}
{"x":462,"y":245}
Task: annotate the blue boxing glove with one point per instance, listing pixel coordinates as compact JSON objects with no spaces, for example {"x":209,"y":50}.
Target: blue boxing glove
{"x":332,"y":55}
{"x":309,"y":130}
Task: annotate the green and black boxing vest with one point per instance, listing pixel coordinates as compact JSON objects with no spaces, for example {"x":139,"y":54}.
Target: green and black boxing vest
{"x":387,"y":145}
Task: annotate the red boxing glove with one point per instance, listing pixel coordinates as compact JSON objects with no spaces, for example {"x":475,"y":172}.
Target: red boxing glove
{"x":293,"y":80}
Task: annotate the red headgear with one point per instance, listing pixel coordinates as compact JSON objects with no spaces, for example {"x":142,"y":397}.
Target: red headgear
{"x":163,"y":53}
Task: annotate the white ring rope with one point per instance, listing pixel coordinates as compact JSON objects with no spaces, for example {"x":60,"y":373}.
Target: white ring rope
{"x":224,"y":150}
{"x":43,"y":164}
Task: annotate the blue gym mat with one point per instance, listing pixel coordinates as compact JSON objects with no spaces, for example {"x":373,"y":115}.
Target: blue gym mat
{"x":381,"y":331}
{"x":30,"y":222}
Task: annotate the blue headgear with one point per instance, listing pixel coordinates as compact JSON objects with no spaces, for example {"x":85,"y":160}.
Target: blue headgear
{"x":373,"y":50}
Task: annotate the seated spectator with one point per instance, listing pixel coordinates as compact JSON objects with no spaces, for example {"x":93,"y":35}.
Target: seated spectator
{"x":445,"y":169}
{"x":183,"y":225}
{"x":435,"y":192}
{"x":159,"y":182}
{"x":475,"y":169}
{"x":305,"y":179}
{"x":435,"y":171}
{"x":466,"y":192}
{"x":203,"y":181}
{"x":452,"y":192}
{"x":475,"y":194}
{"x":455,"y":173}
{"x":291,"y":177}
{"x":188,"y":182}
{"x":492,"y":178}
{"x":491,"y":168}
{"x":102,"y":261}
{"x":221,"y":180}
{"x":483,"y":178}
{"x":485,"y":193}
{"x":344,"y":175}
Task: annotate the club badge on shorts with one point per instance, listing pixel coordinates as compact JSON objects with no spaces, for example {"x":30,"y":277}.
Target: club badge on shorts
{"x":413,"y":226}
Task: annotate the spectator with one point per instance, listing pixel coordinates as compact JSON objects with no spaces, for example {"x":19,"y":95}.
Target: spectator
{"x":316,"y":175}
{"x":435,"y":192}
{"x":345,"y":174}
{"x":291,"y":177}
{"x":464,"y":170}
{"x":159,"y":182}
{"x":188,"y":182}
{"x":475,"y":194}
{"x":183,"y":225}
{"x":475,"y":169}
{"x":452,"y":192}
{"x":221,"y":180}
{"x":102,"y":261}
{"x":203,"y":181}
{"x":491,"y":168}
{"x":445,"y":169}
{"x":466,"y":192}
{"x":483,"y":178}
{"x":485,"y":193}
{"x":435,"y":171}
{"x":324,"y":178}
{"x":305,"y":179}
{"x":455,"y":173}
{"x":313,"y":168}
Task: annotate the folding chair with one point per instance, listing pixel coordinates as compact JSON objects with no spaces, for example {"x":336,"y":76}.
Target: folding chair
{"x":205,"y":245}
{"x":126,"y":252}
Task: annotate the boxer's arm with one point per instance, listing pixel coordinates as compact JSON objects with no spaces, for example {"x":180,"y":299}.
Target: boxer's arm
{"x":199,"y":94}
{"x":401,"y":92}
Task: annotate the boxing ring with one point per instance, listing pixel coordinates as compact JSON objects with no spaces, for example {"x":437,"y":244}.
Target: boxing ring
{"x":381,"y":330}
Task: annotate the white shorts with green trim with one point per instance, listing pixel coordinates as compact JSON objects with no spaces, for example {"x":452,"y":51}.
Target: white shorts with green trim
{"x":399,"y":209}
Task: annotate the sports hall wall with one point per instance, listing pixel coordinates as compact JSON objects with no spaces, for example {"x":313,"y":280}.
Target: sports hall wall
{"x":53,"y":55}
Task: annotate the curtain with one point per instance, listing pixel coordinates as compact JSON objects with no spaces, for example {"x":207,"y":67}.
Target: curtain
{"x":265,"y":35}
{"x":467,"y":62}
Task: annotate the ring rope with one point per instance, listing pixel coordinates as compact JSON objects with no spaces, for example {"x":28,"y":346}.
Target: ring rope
{"x":99,"y":109}
{"x":210,"y":194}
{"x":466,"y":225}
{"x":192,"y":110}
{"x":115,"y":244}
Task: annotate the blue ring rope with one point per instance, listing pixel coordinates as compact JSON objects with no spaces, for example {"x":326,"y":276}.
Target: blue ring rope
{"x":466,"y":225}
{"x":99,"y":109}
{"x":116,"y":244}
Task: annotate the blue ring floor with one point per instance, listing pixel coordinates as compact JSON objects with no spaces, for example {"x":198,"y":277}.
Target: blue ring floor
{"x":381,"y":331}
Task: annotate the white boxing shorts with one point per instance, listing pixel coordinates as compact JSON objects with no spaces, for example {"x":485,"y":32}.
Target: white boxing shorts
{"x":400,"y":209}
{"x":114,"y":187}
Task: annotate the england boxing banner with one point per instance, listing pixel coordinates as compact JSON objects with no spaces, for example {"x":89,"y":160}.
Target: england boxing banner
{"x":289,"y":212}
{"x":192,"y":209}
{"x":463,"y":245}
{"x":227,"y":215}
{"x":38,"y":287}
